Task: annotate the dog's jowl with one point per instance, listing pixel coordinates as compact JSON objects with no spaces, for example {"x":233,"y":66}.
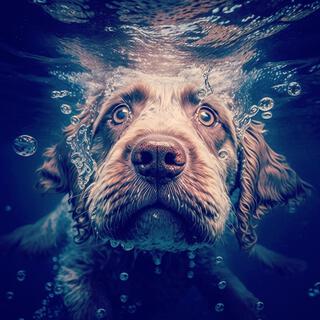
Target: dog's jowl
{"x":170,"y":176}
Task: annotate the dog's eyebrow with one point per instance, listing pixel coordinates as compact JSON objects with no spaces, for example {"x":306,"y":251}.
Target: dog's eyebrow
{"x":135,"y":95}
{"x":190,"y":96}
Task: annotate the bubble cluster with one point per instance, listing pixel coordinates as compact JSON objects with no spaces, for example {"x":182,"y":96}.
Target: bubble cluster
{"x":21,"y":275}
{"x":266,"y":104}
{"x":60,"y":94}
{"x":124,"y":276}
{"x":219,"y":307}
{"x":81,"y":157}
{"x":294,"y":89}
{"x":65,"y":108}
{"x":25,"y":145}
{"x":101,"y":313}
{"x":314,"y":291}
{"x":222,"y":284}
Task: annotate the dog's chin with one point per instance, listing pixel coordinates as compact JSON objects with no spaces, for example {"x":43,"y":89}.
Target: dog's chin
{"x":157,"y":228}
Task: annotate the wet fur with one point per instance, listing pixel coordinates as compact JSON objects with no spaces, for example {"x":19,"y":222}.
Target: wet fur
{"x":89,"y":271}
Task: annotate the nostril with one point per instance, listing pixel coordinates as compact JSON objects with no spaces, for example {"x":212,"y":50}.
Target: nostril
{"x":170,"y":158}
{"x":146,"y":157}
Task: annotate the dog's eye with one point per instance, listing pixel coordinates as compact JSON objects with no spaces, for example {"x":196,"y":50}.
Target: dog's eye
{"x":121,"y":113}
{"x":206,"y":116}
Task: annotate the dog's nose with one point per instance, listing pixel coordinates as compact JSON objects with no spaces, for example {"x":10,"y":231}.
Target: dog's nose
{"x":158,"y":157}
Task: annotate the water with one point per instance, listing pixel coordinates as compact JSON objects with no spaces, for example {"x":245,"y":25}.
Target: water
{"x":263,"y":55}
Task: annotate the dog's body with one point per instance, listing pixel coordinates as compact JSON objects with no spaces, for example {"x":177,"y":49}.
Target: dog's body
{"x":167,"y":164}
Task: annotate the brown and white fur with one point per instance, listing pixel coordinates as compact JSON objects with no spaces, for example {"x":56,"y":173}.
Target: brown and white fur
{"x":162,"y":184}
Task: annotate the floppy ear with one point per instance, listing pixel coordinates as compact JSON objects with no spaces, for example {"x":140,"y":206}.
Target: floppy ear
{"x":53,"y":173}
{"x":266,"y":181}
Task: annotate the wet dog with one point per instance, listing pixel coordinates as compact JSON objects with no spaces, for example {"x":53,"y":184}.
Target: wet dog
{"x":149,"y":196}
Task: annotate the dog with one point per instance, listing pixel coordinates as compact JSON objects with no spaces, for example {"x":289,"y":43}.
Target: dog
{"x":154,"y":176}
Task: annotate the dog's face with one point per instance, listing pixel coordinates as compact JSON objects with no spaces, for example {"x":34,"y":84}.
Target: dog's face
{"x":167,"y":163}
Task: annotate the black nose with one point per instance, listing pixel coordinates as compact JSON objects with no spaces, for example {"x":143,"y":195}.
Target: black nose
{"x":158,"y":157}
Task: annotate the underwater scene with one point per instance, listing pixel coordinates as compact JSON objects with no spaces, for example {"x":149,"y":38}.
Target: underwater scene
{"x":160,"y":159}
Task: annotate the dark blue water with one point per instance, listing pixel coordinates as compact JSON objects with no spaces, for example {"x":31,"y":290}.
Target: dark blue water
{"x":40,"y":46}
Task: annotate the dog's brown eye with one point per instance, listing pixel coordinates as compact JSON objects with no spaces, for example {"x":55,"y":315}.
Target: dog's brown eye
{"x":206,"y":116}
{"x":121,"y":114}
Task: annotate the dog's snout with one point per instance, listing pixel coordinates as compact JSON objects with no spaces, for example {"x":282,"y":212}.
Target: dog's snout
{"x":159,"y":157}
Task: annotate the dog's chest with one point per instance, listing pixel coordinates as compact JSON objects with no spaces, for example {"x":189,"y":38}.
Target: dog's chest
{"x":145,"y":281}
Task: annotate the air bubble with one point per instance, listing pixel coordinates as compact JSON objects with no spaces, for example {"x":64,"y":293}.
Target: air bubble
{"x":294,"y":89}
{"x":266,"y":115}
{"x":58,"y":289}
{"x":219,"y":307}
{"x":222,"y":284}
{"x":9,"y":295}
{"x":190,"y":274}
{"x":157,"y":270}
{"x":21,"y":275}
{"x":25,"y":145}
{"x":191,"y":255}
{"x":259,"y":305}
{"x":124,"y":276}
{"x":266,"y":104}
{"x":132,"y":308}
{"x":127,"y":246}
{"x":253,"y":111}
{"x":312,"y":293}
{"x":245,"y":122}
{"x":223,"y":154}
{"x":49,"y":286}
{"x":201,"y":93}
{"x":292,"y":207}
{"x":7,"y":208}
{"x":192,"y":264}
{"x":316,"y":287}
{"x":219,"y":260}
{"x":123,"y":298}
{"x":114,"y":243}
{"x":65,"y":109}
{"x":101,"y":313}
{"x":156,"y":257}
{"x":74,"y":120}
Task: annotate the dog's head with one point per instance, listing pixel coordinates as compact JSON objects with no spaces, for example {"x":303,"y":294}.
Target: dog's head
{"x":167,"y":163}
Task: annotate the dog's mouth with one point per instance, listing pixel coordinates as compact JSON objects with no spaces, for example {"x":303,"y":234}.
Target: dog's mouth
{"x":162,"y":228}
